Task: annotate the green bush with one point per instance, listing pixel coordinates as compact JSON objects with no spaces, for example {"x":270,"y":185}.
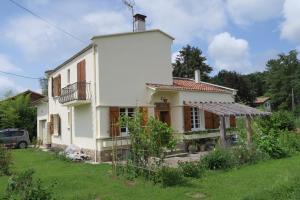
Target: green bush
{"x":22,"y":186}
{"x":191,"y":169}
{"x":220,"y":158}
{"x":170,"y":176}
{"x":244,"y":155}
{"x":281,"y":120}
{"x":290,"y":141}
{"x":5,"y":160}
{"x":270,"y":144}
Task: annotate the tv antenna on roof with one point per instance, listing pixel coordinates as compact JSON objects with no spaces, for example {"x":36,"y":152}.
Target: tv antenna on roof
{"x":130,"y":4}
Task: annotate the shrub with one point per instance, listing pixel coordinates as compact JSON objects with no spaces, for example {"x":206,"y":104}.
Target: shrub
{"x":191,"y":169}
{"x":192,"y":148}
{"x":244,"y":155}
{"x":22,"y":186}
{"x":280,"y":120}
{"x":218,"y":159}
{"x":5,"y":160}
{"x":270,"y":144}
{"x":290,"y":141}
{"x":170,"y":176}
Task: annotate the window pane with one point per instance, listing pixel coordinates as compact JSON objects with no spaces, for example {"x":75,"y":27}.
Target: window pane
{"x":123,"y":129}
{"x":131,"y":110}
{"x":17,"y":133}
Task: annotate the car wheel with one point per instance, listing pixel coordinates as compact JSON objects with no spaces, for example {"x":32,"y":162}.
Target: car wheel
{"x":22,"y":145}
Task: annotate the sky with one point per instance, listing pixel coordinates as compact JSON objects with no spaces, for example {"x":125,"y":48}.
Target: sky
{"x":240,"y":35}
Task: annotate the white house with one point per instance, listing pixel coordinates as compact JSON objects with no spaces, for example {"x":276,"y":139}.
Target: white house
{"x":115,"y":74}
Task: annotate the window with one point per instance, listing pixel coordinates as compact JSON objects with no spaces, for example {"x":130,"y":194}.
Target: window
{"x":17,"y":133}
{"x":5,"y":134}
{"x":195,"y":118}
{"x":69,"y":76}
{"x":126,"y":112}
{"x":56,"y":125}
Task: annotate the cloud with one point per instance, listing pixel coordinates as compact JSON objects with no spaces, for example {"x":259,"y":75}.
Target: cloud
{"x":290,"y":28}
{"x":185,"y":20}
{"x":32,"y":36}
{"x":6,"y":65}
{"x":8,"y":84}
{"x":244,"y":12}
{"x":229,"y":53}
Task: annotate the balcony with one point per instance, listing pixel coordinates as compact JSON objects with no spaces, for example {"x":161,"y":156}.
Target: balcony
{"x":75,"y":94}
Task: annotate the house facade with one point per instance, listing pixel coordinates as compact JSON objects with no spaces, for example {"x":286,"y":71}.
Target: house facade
{"x":112,"y":77}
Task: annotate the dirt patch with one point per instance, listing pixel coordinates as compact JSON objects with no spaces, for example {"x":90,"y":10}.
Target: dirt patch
{"x":196,"y":195}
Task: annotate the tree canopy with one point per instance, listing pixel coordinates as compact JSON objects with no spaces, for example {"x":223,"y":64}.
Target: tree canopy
{"x":18,"y":113}
{"x":191,"y":59}
{"x":283,"y":75}
{"x":236,"y":81}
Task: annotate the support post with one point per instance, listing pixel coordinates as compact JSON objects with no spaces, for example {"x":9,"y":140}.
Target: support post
{"x":249,"y":130}
{"x":222,"y":131}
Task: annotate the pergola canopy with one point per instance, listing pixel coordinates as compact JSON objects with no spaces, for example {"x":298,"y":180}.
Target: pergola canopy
{"x":227,"y":108}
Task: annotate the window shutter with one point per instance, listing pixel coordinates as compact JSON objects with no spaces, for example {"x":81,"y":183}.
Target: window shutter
{"x":187,"y":118}
{"x":58,"y":85}
{"x":208,"y":120}
{"x":52,"y":86}
{"x":51,"y":124}
{"x":49,"y":127}
{"x":114,"y":114}
{"x":216,"y":121}
{"x":58,"y":124}
{"x":212,"y":120}
{"x":144,"y":112}
{"x":232,"y":122}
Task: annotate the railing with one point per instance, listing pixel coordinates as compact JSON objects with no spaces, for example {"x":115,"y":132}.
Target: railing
{"x":76,"y":91}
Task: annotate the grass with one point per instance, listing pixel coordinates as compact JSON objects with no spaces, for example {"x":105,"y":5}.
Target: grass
{"x":85,"y":181}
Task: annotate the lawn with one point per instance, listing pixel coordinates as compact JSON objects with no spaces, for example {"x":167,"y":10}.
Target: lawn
{"x":85,"y":181}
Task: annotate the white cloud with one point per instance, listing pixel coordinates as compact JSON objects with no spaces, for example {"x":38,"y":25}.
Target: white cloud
{"x":6,"y":65}
{"x":185,"y":20}
{"x":229,"y":53}
{"x":32,"y":36}
{"x":174,"y":56}
{"x":245,"y":12}
{"x":106,"y":22}
{"x":290,"y":28}
{"x":9,"y":84}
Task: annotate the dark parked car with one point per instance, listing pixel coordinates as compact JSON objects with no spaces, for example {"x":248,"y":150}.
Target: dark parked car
{"x":14,"y":138}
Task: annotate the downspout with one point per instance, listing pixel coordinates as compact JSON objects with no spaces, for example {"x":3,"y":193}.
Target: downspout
{"x":95,"y":101}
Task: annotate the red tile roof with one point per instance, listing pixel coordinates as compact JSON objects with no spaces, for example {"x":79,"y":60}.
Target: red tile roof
{"x":188,"y":84}
{"x":260,"y":100}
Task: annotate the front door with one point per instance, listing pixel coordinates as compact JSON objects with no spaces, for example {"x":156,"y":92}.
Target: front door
{"x":44,"y":131}
{"x":162,"y":112}
{"x":81,"y":81}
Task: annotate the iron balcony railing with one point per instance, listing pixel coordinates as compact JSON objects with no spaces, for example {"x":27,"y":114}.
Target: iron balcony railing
{"x":76,"y":91}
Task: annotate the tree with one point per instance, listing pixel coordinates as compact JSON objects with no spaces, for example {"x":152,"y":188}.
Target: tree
{"x":191,"y":59}
{"x":283,"y":75}
{"x":18,"y":113}
{"x":237,"y":81}
{"x":258,"y":83}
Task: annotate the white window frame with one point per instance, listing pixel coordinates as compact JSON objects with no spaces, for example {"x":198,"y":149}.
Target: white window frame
{"x":126,"y":114}
{"x":193,"y":111}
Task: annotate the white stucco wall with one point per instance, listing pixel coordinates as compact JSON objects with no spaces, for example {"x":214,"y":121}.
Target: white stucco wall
{"x":128,"y":62}
{"x":68,"y":133}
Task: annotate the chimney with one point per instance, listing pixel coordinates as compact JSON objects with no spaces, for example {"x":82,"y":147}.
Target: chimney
{"x":139,"y":22}
{"x":197,"y":76}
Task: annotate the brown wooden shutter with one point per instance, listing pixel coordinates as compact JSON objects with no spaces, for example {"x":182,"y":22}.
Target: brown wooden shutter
{"x":232,"y":122}
{"x":49,"y":127}
{"x":114,"y":115}
{"x":51,"y":124}
{"x":212,"y":120}
{"x":144,"y":112}
{"x":216,"y":121}
{"x":58,"y":124}
{"x":208,"y":120}
{"x":52,"y":86}
{"x":187,"y":118}
{"x":58,"y":85}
